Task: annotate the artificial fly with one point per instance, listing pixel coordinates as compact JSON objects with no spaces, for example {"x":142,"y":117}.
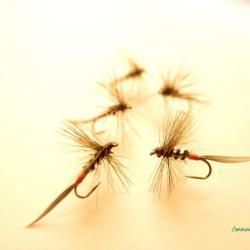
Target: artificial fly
{"x":135,"y":71}
{"x":175,"y":135}
{"x":120,"y":106}
{"x":176,"y":83}
{"x":99,"y":157}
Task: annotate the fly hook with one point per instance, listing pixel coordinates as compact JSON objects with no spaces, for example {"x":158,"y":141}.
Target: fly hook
{"x":203,"y":177}
{"x":88,"y":194}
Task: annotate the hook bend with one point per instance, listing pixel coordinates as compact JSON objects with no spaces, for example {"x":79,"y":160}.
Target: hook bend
{"x":208,"y":174}
{"x":88,"y":194}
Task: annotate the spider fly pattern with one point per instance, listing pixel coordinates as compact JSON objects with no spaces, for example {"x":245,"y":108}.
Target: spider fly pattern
{"x":100,"y":157}
{"x":175,"y":135}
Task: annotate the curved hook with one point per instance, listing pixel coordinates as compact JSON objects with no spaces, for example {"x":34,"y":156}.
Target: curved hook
{"x":88,"y":194}
{"x":93,"y":127}
{"x":208,"y":174}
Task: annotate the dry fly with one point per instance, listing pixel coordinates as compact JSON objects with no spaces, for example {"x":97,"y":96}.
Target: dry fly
{"x":120,"y":106}
{"x":175,"y":135}
{"x":175,"y":84}
{"x":135,"y":71}
{"x":100,"y":157}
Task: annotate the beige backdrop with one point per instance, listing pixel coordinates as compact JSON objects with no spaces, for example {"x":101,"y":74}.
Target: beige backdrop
{"x":51,"y":55}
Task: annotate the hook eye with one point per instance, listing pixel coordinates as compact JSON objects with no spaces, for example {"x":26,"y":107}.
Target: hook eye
{"x":203,"y":177}
{"x":88,"y":194}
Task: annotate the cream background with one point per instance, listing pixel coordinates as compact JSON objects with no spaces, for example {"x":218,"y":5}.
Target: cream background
{"x":52,"y":52}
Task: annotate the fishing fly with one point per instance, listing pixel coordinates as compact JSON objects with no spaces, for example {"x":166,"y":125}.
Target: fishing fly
{"x":122,"y":101}
{"x":100,"y":159}
{"x":135,"y":71}
{"x":175,"y":134}
{"x":175,"y":84}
